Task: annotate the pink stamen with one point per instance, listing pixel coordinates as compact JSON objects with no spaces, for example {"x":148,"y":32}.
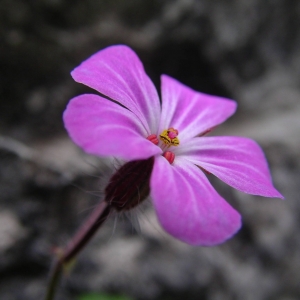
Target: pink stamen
{"x":153,"y":138}
{"x":169,"y":156}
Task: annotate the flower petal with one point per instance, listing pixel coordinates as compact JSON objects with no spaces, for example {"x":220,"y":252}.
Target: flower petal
{"x":187,"y":205}
{"x":191,"y":112}
{"x":239,"y":162}
{"x":105,"y":128}
{"x":118,"y":73}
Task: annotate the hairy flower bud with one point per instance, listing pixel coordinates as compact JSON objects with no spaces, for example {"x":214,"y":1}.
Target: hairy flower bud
{"x":130,"y":185}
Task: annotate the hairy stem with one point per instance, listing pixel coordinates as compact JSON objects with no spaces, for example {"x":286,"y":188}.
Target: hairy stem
{"x":82,"y":237}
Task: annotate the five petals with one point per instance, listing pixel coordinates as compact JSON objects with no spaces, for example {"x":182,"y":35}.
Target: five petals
{"x":187,"y":206}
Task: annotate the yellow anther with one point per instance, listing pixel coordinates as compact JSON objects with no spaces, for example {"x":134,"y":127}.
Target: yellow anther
{"x":169,"y":137}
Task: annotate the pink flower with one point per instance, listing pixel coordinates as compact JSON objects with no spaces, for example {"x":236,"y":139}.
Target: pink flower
{"x":136,"y":126}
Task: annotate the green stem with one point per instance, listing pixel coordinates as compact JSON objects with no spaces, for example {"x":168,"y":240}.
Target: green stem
{"x":82,"y":237}
{"x":54,"y":280}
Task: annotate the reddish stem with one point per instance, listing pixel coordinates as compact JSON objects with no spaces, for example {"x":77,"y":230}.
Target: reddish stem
{"x":82,"y":237}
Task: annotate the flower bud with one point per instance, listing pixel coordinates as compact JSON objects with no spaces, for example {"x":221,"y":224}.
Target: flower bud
{"x":130,"y":185}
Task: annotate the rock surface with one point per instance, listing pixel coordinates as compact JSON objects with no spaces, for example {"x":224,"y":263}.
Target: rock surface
{"x":245,"y":50}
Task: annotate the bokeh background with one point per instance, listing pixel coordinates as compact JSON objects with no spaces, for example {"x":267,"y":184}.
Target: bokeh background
{"x":247,"y":50}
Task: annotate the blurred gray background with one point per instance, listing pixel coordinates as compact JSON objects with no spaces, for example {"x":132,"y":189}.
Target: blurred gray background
{"x":247,"y":50}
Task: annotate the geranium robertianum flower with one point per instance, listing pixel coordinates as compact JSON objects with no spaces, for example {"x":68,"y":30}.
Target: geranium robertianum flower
{"x":164,"y":146}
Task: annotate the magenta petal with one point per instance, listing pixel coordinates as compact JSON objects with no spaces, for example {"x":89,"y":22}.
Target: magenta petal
{"x":105,"y":128}
{"x":191,"y":112}
{"x":187,"y":205}
{"x":239,"y":162}
{"x":118,"y":73}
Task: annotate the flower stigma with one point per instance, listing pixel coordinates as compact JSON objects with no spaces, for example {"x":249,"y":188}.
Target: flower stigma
{"x":169,"y":137}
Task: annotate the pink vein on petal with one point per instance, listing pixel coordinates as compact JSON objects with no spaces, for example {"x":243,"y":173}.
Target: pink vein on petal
{"x":187,"y":205}
{"x":118,"y":73}
{"x":104,"y":128}
{"x":191,"y":112}
{"x":239,"y":162}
